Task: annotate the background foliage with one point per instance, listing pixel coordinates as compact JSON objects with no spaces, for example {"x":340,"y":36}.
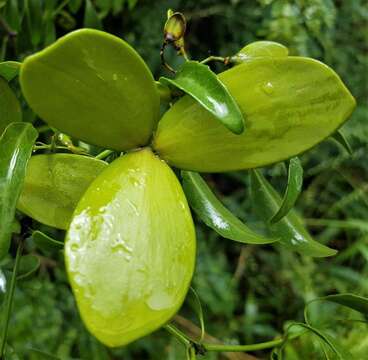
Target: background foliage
{"x":248,"y":293}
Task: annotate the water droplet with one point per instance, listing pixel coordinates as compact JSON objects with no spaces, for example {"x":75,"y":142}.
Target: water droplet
{"x":268,"y":88}
{"x":120,"y":245}
{"x":114,"y":77}
{"x":74,"y":247}
{"x":159,"y":300}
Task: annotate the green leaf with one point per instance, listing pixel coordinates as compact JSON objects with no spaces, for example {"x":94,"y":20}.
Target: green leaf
{"x":195,"y":303}
{"x":98,"y":89}
{"x":340,"y":352}
{"x":213,"y":213}
{"x":16,"y":145}
{"x":290,"y":229}
{"x":29,"y":264}
{"x":91,"y":19}
{"x":45,"y":242}
{"x":260,"y":49}
{"x":130,"y":249}
{"x":54,"y":184}
{"x":41,"y":355}
{"x":341,"y":139}
{"x":9,"y":69}
{"x":204,"y":86}
{"x":355,"y":302}
{"x":290,"y":104}
{"x":293,"y":189}
{"x":10,"y":110}
{"x":33,"y":12}
{"x":74,"y":5}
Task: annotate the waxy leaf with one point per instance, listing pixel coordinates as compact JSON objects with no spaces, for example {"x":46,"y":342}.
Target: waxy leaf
{"x":293,"y":189}
{"x":95,"y":87}
{"x":290,"y":228}
{"x":10,"y":110}
{"x":45,"y":242}
{"x":214,"y":214}
{"x":130,"y":249}
{"x":260,"y":49}
{"x":16,"y":145}
{"x":9,"y":69}
{"x":204,"y":86}
{"x":54,"y":184}
{"x":290,"y":104}
{"x":340,"y":138}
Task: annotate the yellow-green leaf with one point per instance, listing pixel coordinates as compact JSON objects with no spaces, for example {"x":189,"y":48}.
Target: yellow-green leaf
{"x":130,"y":249}
{"x":290,"y":104}
{"x":54,"y":184}
{"x":95,"y":87}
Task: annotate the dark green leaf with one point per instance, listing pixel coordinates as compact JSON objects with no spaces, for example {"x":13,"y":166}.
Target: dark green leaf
{"x":213,"y":213}
{"x":203,"y":85}
{"x":10,"y":110}
{"x":340,"y":138}
{"x":45,"y":242}
{"x":91,"y":19}
{"x":290,"y":229}
{"x":355,"y":302}
{"x":28,"y":265}
{"x":293,"y":189}
{"x":9,"y":69}
{"x":74,"y":5}
{"x":16,"y":145}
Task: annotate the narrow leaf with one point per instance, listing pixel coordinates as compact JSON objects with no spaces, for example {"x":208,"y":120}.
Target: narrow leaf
{"x":10,"y":110}
{"x":355,"y":302}
{"x":198,"y":81}
{"x":91,"y":19}
{"x":15,"y":149}
{"x":45,"y":242}
{"x":214,"y":214}
{"x":340,"y":138}
{"x":9,"y":69}
{"x":290,"y":229}
{"x":293,"y":189}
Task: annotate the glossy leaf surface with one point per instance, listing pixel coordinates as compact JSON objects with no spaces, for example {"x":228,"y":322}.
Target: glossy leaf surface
{"x":290,"y":228}
{"x":16,"y":145}
{"x":214,"y":214}
{"x":260,"y":49}
{"x":95,"y":87}
{"x":10,"y":110}
{"x":9,"y":69}
{"x":293,"y":189}
{"x":198,"y":81}
{"x":289,"y":104}
{"x":130,"y":249}
{"x":54,"y":184}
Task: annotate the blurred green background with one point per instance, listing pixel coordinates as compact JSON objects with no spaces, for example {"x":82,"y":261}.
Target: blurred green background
{"x":249,"y":293}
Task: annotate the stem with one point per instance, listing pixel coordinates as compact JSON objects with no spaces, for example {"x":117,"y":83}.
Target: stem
{"x":251,"y":347}
{"x":224,"y":60}
{"x":178,"y":334}
{"x":104,"y":154}
{"x":10,"y":299}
